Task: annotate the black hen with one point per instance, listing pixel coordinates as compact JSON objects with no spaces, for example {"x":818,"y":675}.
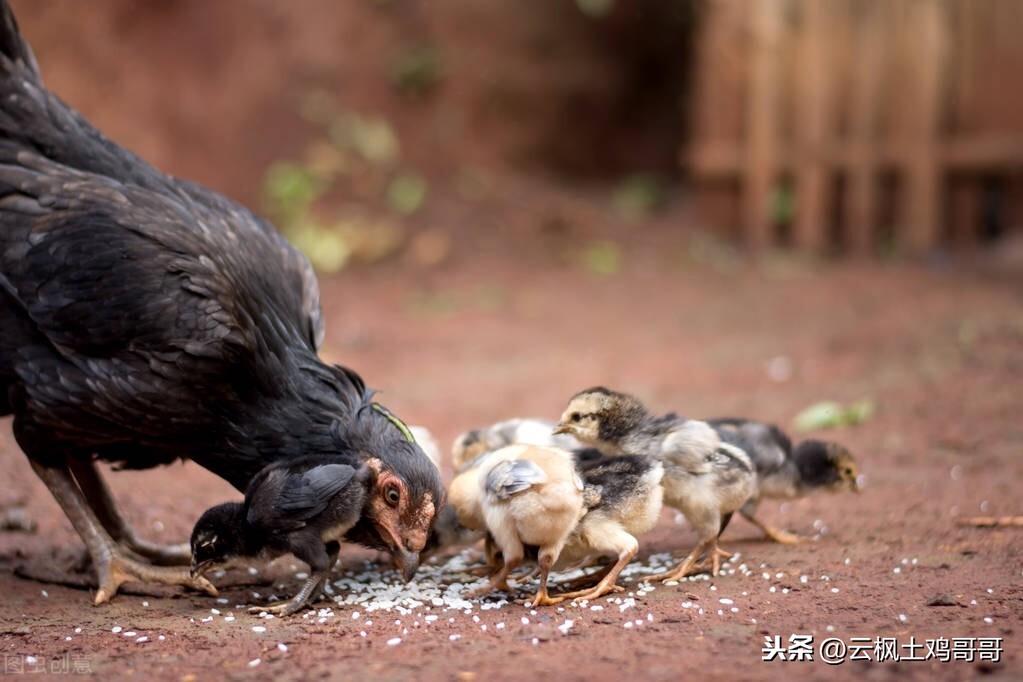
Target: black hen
{"x":146,"y":319}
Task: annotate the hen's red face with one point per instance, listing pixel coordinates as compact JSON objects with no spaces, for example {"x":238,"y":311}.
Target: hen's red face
{"x":404,"y":523}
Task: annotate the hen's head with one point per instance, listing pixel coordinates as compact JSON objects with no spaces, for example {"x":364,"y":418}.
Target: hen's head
{"x":401,"y":506}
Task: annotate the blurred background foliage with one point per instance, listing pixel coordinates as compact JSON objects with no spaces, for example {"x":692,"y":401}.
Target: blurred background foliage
{"x":380,"y":130}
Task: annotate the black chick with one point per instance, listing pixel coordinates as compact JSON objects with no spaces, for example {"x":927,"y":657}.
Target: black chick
{"x":306,"y":507}
{"x":147,"y":319}
{"x":784,"y":472}
{"x":704,"y":478}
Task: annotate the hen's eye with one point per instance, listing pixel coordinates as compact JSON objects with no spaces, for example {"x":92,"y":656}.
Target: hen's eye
{"x":392,"y":496}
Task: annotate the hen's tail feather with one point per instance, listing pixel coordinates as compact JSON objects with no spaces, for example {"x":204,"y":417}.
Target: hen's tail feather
{"x":12,"y":45}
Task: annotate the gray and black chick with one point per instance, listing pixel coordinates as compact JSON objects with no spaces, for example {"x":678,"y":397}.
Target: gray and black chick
{"x":784,"y":472}
{"x":623,"y":496}
{"x":704,"y":478}
{"x":306,"y":507}
{"x":525,"y":430}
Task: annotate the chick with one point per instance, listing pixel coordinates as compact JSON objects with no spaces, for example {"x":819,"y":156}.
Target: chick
{"x":424,"y":438}
{"x":623,"y":496}
{"x":784,"y":472}
{"x":307,"y":506}
{"x":522,"y":495}
{"x":529,"y":431}
{"x":705,"y":478}
{"x":448,"y":532}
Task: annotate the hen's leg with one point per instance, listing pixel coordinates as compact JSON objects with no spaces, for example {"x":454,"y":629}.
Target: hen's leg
{"x":103,"y":504}
{"x":113,"y":565}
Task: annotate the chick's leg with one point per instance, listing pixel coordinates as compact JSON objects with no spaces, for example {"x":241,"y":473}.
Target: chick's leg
{"x":103,"y":504}
{"x":113,"y":565}
{"x":589,"y":579}
{"x":512,"y":552}
{"x":684,"y":567}
{"x":776,"y":534}
{"x":611,"y":539}
{"x":320,"y":563}
{"x":499,"y":581}
{"x":545,"y":561}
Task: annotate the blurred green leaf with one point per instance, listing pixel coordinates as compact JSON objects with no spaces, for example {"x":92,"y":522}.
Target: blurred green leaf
{"x":489,"y":297}
{"x":371,"y":137}
{"x":603,"y":258}
{"x":317,"y":106}
{"x":417,"y":70}
{"x":638,"y":195}
{"x":432,"y":304}
{"x":829,"y":414}
{"x":859,"y":412}
{"x":595,"y":9}
{"x":326,"y":249}
{"x":406,"y":193}
{"x":290,"y":189}
{"x":782,"y":203}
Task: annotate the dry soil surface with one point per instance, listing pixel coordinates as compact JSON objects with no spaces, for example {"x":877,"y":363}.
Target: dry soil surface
{"x":888,"y":574}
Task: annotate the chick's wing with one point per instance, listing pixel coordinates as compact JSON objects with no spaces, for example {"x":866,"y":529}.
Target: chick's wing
{"x":510,"y":477}
{"x":288,"y":500}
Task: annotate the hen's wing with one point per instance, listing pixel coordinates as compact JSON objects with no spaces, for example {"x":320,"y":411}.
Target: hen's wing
{"x":141,"y":299}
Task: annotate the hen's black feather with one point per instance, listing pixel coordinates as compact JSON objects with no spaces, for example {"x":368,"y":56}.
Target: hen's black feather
{"x":147,"y":319}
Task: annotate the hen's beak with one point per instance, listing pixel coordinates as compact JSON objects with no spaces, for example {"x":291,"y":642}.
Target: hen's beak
{"x":406,"y":561}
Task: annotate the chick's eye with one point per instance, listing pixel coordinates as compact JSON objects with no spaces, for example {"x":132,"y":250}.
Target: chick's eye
{"x":392,"y":496}
{"x":849,"y":472}
{"x":575,"y":416}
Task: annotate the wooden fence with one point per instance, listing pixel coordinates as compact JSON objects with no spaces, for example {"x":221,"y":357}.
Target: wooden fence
{"x":877,"y":122}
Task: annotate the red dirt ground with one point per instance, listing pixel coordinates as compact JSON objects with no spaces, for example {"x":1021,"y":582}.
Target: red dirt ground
{"x":485,"y":338}
{"x":512,"y":323}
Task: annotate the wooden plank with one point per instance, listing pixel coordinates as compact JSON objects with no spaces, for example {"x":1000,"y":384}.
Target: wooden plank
{"x":918,"y":227}
{"x":812,"y":115}
{"x":762,"y":122}
{"x":965,"y":208}
{"x":863,"y":164}
{"x":979,"y":152}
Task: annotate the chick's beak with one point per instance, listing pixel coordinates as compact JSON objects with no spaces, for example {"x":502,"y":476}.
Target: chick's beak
{"x":198,"y":569}
{"x":561,"y":428}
